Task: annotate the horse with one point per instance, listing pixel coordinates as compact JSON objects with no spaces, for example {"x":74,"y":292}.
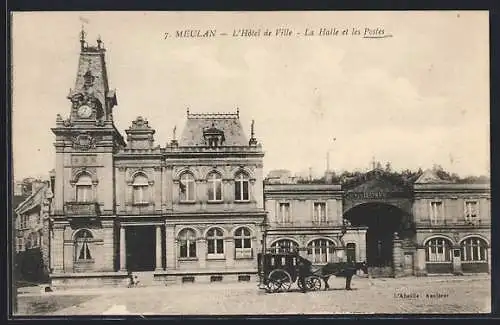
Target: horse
{"x":341,"y":269}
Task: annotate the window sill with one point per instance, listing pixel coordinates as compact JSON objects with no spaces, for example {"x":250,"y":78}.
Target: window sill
{"x":242,"y":201}
{"x":215,"y":202}
{"x":474,"y":262}
{"x":140,"y":204}
{"x":215,"y":257}
{"x":243,"y":258}
{"x":441,"y":262}
{"x":187,"y":202}
{"x":187,"y":259}
{"x":84,"y":261}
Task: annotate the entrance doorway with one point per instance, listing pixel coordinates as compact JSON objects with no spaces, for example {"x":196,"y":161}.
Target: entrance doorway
{"x":140,"y":248}
{"x":382,"y":220}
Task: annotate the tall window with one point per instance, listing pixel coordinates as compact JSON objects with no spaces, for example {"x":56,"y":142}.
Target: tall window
{"x":319,"y":213}
{"x":82,"y":250}
{"x":471,"y":211}
{"x":214,"y":187}
{"x":321,"y":251}
{"x":438,"y":250}
{"x":187,"y":243}
{"x":34,"y":240}
{"x":20,"y":244}
{"x":84,"y":188}
{"x":215,"y":242}
{"x":29,"y":241}
{"x":186,"y":186}
{"x":474,"y":250}
{"x":243,"y":243}
{"x":284,"y":246}
{"x":241,"y":187}
{"x":436,"y":212}
{"x":284,"y":215}
{"x":140,"y":189}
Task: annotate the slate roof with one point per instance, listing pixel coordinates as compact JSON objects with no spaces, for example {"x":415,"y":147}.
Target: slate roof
{"x":192,"y":134}
{"x":430,"y":177}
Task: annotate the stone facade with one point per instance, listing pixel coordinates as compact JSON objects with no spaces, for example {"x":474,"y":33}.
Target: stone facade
{"x":192,"y":211}
{"x":32,"y":233}
{"x":424,"y":226}
{"x":189,"y":211}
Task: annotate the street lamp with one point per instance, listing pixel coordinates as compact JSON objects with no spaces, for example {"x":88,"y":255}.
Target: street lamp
{"x":264,"y":226}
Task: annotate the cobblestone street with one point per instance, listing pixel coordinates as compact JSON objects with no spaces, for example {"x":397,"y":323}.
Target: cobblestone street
{"x":404,"y":295}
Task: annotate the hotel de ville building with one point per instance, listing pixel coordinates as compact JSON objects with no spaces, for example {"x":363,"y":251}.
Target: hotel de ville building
{"x":195,"y":210}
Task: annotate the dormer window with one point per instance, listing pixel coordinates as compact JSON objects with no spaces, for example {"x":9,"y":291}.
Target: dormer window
{"x":88,"y":79}
{"x":213,"y":136}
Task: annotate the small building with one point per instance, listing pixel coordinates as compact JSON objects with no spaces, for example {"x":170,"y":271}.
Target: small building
{"x":398,"y":225}
{"x":32,"y":228}
{"x":186,"y":212}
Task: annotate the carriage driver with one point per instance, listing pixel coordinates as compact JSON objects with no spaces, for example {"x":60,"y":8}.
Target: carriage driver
{"x":304,"y":269}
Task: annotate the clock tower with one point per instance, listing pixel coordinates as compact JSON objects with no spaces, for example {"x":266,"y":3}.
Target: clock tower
{"x":85,"y":144}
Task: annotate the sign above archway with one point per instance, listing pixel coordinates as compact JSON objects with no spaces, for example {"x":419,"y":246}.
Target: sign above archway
{"x":377,"y":186}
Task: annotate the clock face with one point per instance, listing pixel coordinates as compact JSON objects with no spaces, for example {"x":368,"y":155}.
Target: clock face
{"x":84,"y":111}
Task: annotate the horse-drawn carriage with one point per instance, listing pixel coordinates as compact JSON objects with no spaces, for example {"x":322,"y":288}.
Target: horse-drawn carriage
{"x":278,"y":271}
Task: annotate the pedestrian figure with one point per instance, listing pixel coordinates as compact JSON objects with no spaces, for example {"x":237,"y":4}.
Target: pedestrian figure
{"x":304,"y":270}
{"x":349,"y":273}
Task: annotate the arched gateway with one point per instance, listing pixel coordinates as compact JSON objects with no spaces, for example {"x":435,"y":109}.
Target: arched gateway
{"x":382,"y":203}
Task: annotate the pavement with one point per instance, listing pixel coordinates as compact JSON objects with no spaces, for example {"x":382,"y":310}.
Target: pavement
{"x":448,"y":294}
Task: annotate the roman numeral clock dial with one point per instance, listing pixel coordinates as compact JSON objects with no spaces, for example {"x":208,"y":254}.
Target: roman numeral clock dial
{"x":84,"y":111}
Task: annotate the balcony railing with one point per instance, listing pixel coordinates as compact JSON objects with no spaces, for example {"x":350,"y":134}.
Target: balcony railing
{"x":82,"y":209}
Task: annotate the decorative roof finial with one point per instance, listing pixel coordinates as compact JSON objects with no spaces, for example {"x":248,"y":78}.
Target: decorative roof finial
{"x":187,"y":111}
{"x":253,"y":141}
{"x":175,"y":129}
{"x":238,"y":112}
{"x":99,"y":41}
{"x":82,"y":38}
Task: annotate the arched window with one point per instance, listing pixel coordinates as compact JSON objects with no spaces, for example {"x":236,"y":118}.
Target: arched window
{"x":243,"y":243}
{"x":215,"y":242}
{"x":140,"y":189}
{"x":186,"y":186}
{"x":351,"y":252}
{"x":321,"y":251}
{"x":284,"y":246}
{"x":438,"y":250}
{"x":241,"y":187}
{"x":474,"y":250}
{"x":84,"y":188}
{"x":82,"y":250}
{"x":187,"y":243}
{"x":214,"y":182}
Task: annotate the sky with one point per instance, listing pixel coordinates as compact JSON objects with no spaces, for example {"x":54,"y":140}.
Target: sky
{"x":415,"y":98}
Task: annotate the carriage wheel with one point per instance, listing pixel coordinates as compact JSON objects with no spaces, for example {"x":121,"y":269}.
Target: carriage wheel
{"x":279,"y":280}
{"x":313,"y":283}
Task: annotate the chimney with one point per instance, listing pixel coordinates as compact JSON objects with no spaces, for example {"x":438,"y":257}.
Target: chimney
{"x":52,"y":175}
{"x":18,"y":189}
